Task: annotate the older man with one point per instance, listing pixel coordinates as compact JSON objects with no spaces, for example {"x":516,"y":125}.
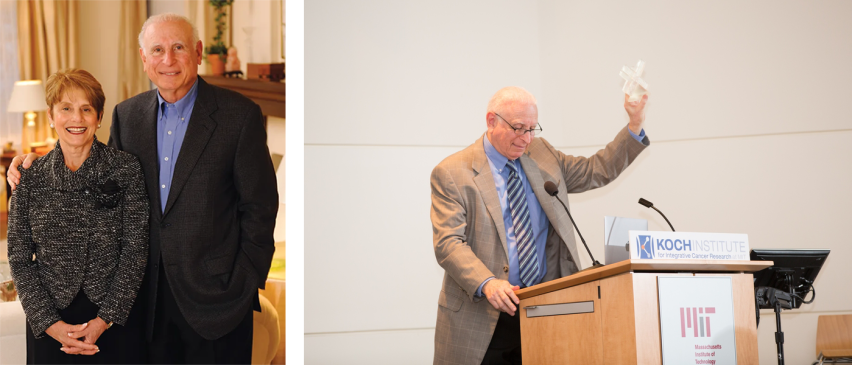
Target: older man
{"x":213,"y":195}
{"x":495,"y":229}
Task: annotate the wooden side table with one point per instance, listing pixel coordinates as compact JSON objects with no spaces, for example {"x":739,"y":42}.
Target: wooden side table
{"x":6,"y":160}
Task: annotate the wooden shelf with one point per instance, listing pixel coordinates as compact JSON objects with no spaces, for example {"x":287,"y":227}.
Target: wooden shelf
{"x":269,"y":95}
{"x":640,"y":266}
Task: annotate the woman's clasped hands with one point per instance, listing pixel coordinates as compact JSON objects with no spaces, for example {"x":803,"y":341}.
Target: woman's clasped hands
{"x":78,"y":339}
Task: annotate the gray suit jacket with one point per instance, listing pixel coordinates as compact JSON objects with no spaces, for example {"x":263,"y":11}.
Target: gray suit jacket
{"x":215,"y":236}
{"x":470,"y":239}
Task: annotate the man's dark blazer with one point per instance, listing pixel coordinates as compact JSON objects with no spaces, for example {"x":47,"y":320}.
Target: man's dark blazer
{"x":215,"y":236}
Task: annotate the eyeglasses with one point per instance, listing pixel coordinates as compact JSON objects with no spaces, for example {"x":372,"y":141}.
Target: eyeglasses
{"x":520,"y":131}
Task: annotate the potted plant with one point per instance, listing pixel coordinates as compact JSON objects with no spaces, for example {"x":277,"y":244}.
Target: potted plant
{"x":217,"y":52}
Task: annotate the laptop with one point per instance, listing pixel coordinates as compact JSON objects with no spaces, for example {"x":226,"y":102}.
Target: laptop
{"x":617,"y":236}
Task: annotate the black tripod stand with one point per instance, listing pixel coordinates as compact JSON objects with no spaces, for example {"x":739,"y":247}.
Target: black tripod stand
{"x":767,"y":297}
{"x":786,"y":283}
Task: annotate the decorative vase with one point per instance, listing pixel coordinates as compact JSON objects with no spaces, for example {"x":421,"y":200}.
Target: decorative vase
{"x":217,"y":66}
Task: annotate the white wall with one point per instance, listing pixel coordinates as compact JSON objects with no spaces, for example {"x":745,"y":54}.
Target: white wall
{"x":276,"y":129}
{"x":258,"y":21}
{"x":168,"y":6}
{"x":747,"y":120}
{"x":373,"y":75}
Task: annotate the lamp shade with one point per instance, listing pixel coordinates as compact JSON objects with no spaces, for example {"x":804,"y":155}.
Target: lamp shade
{"x":27,"y":96}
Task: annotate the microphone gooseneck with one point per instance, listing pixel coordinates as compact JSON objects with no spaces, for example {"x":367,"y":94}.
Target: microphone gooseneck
{"x":648,"y":204}
{"x":552,"y":190}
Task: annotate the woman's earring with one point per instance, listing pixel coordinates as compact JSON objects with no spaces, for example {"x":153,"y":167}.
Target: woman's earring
{"x":99,"y":125}
{"x":51,"y":125}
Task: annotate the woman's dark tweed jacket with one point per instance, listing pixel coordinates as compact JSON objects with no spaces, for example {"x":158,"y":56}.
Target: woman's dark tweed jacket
{"x":83,"y":230}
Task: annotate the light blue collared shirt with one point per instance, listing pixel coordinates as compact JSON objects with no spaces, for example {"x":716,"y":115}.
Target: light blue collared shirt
{"x":538,"y":219}
{"x":172,"y":120}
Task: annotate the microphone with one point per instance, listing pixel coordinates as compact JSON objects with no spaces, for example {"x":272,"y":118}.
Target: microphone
{"x":552,"y":190}
{"x":648,"y":204}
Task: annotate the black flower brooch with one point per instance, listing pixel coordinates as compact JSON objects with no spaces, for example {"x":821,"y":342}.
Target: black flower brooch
{"x":108,"y":194}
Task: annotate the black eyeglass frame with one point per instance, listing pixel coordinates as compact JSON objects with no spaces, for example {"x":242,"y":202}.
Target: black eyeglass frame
{"x":520,"y":131}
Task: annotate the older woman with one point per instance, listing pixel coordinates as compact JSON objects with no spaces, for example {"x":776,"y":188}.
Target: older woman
{"x":78,"y":236}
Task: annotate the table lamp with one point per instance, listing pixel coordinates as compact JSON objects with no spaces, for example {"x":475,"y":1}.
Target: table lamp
{"x":28,"y":98}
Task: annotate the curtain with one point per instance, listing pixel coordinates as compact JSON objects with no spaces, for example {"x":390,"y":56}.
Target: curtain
{"x":131,"y":75}
{"x":47,"y":37}
{"x":10,"y":123}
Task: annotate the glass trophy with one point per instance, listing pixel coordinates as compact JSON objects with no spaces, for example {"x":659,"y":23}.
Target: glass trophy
{"x":634,"y":85}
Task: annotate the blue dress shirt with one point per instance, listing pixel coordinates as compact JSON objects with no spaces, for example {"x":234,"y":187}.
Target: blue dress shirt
{"x":538,"y":219}
{"x":172,"y":120}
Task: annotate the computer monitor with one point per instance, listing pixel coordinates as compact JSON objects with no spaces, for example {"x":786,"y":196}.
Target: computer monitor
{"x":794,"y":269}
{"x":617,"y":237}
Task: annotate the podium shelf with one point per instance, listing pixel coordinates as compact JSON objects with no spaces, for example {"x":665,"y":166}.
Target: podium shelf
{"x":637,"y":265}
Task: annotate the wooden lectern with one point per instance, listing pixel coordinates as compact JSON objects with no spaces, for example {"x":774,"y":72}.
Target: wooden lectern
{"x":610,"y":314}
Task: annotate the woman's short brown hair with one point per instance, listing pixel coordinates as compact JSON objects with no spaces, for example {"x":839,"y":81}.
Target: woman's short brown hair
{"x":64,"y":81}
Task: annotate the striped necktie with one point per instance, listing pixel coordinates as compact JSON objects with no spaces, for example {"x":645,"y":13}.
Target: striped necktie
{"x":523,"y":228}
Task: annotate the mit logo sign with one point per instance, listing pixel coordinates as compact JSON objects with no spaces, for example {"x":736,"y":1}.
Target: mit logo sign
{"x":696,"y":318}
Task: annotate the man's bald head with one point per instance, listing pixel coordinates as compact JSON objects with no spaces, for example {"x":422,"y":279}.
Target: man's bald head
{"x":510,"y":95}
{"x":512,"y":109}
